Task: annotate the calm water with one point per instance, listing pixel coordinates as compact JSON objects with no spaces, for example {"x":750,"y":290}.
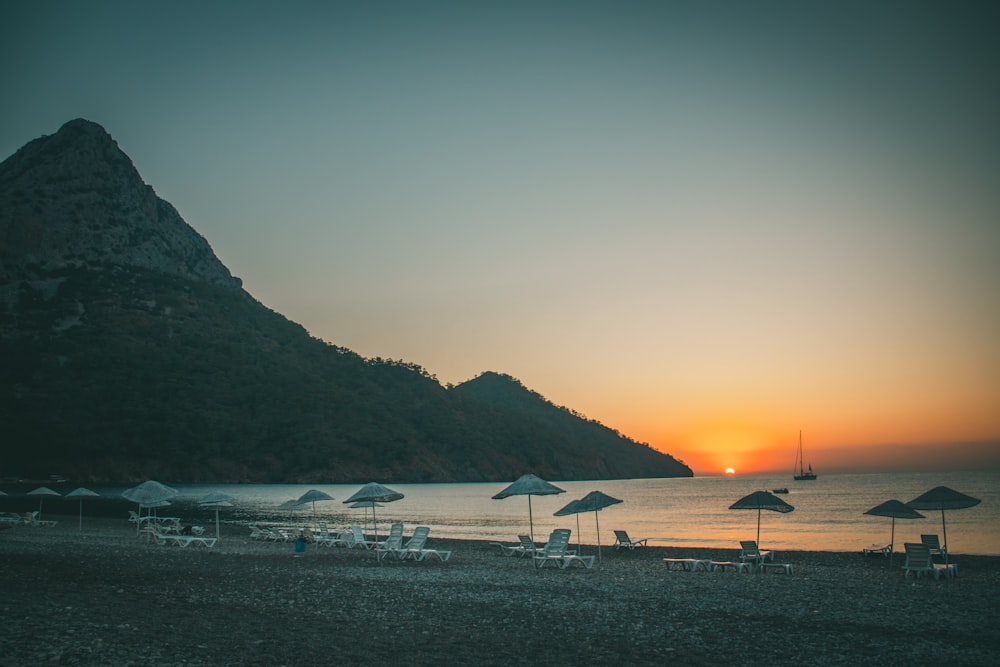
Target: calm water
{"x":829,"y":513}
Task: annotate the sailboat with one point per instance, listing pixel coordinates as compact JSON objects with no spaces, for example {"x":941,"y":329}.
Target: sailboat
{"x":802,"y":474}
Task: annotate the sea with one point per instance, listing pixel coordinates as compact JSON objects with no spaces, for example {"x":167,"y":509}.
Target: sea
{"x":829,"y":512}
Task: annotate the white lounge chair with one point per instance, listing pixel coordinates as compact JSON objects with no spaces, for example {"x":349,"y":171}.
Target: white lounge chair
{"x":626,"y":542}
{"x":324,"y":537}
{"x":392,"y":544}
{"x":415,"y":548}
{"x":360,"y":540}
{"x":181,"y":540}
{"x":751,"y":553}
{"x":524,"y":548}
{"x":920,"y":562}
{"x":556,"y":551}
{"x":884,"y":549}
{"x":934,"y":545}
{"x":688,"y":564}
{"x":343,"y":539}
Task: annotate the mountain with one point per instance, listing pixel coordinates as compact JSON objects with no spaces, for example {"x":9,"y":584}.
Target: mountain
{"x":129,"y":351}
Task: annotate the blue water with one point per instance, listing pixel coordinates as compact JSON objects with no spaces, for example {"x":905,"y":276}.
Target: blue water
{"x":828,"y":515}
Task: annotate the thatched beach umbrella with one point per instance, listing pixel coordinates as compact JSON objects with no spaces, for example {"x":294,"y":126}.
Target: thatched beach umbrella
{"x":571,"y":508}
{"x":82,"y":493}
{"x":41,"y":492}
{"x":149,"y":495}
{"x":313,"y":496}
{"x":529,"y":485}
{"x":942,"y":498}
{"x":896,"y":510}
{"x":366,"y":505}
{"x":594,"y":502}
{"x":761,"y":500}
{"x":374,"y":493}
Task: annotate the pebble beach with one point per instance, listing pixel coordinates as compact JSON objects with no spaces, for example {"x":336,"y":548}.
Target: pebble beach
{"x":102,"y":596}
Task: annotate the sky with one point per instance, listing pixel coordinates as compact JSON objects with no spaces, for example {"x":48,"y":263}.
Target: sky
{"x":708,"y":225}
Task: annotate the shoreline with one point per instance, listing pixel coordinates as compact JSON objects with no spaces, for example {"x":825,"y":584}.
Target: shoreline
{"x":101,"y":596}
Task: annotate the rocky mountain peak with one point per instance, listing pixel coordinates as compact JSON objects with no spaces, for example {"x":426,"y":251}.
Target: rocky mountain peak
{"x":74,"y":199}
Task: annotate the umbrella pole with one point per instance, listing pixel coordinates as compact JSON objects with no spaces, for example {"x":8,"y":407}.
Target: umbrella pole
{"x":892,"y":541}
{"x":758,"y":527}
{"x":597,"y":520}
{"x":81,"y":514}
{"x":531,"y":520}
{"x":216,"y":523}
{"x":944,"y":534}
{"x":579,"y":546}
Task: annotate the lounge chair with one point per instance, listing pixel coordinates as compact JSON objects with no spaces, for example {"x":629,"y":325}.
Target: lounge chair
{"x":751,"y":553}
{"x":323,"y":536}
{"x":392,"y":544}
{"x":626,"y":542}
{"x":360,"y":540}
{"x":556,"y":551}
{"x":343,"y":539}
{"x":735,"y":566}
{"x":884,"y":549}
{"x":181,"y":540}
{"x":524,"y":548}
{"x":933,"y":544}
{"x":415,"y":548}
{"x":276,"y":534}
{"x":31,"y":519}
{"x":688,"y":564}
{"x":919,"y":562}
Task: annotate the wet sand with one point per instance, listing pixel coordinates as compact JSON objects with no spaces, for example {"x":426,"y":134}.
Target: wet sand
{"x":101,"y":596}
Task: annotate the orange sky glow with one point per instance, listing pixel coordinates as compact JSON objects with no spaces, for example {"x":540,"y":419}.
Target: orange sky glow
{"x":707,"y":226}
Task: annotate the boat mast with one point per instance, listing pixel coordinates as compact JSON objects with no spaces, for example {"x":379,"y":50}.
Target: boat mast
{"x":800,"y":452}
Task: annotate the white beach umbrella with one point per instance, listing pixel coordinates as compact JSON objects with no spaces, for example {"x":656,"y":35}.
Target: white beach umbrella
{"x":216,"y":500}
{"x":41,"y":492}
{"x":82,"y":493}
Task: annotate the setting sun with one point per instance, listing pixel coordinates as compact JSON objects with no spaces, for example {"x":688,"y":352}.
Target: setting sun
{"x":730,"y":471}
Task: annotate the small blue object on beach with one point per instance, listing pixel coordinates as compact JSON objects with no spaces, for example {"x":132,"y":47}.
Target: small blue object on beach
{"x":300,"y":546}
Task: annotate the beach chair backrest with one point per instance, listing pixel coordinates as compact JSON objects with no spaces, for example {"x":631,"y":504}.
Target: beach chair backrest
{"x":558,"y":541}
{"x":395,"y":539}
{"x":918,"y":557}
{"x":419,"y":538}
{"x":931,"y":542}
